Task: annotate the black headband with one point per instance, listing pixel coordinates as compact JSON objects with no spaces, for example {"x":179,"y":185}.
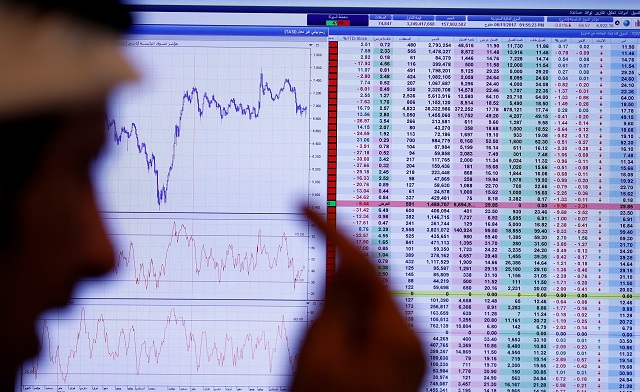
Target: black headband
{"x":110,"y":14}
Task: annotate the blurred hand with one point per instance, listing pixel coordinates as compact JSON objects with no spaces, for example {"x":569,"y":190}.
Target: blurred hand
{"x":360,"y":341}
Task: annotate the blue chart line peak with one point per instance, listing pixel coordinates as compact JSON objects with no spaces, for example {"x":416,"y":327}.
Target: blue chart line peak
{"x":232,"y":106}
{"x":204,"y":102}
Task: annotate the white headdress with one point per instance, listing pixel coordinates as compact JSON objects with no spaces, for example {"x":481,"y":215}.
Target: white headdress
{"x":54,"y":60}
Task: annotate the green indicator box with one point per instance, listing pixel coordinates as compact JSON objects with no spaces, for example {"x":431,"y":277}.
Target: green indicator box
{"x":331,"y":203}
{"x":332,"y":23}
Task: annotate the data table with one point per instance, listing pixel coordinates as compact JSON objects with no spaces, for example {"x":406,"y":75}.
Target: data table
{"x":492,"y":182}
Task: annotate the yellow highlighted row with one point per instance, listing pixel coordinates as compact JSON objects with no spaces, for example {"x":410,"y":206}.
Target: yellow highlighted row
{"x":512,"y":294}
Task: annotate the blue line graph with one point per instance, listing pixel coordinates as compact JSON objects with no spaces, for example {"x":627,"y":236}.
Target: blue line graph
{"x":204,"y":103}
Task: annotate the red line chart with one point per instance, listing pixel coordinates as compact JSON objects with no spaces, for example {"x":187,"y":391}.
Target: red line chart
{"x":172,"y":345}
{"x":214,"y":264}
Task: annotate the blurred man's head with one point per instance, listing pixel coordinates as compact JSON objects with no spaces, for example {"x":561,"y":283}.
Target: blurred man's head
{"x":57,"y":53}
{"x":59,"y":61}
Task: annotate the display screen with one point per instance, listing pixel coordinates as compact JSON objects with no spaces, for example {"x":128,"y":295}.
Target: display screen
{"x":484,"y":159}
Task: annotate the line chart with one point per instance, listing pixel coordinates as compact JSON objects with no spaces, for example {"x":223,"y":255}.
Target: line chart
{"x":208,"y":157}
{"x":169,"y":345}
{"x":229,"y":135}
{"x":121,"y":133}
{"x":236,"y":259}
{"x":245,"y":263}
